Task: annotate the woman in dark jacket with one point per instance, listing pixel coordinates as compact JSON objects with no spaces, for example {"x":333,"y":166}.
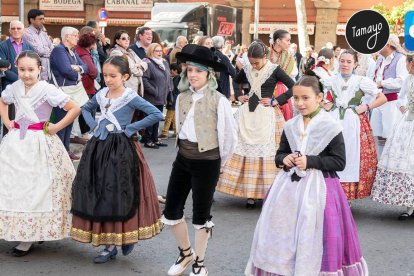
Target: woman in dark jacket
{"x":66,"y":66}
{"x":157,"y":84}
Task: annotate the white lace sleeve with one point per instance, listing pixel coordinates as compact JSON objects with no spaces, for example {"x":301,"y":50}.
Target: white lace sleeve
{"x":294,"y":73}
{"x":7,"y":95}
{"x":402,"y":96}
{"x":369,"y":87}
{"x":56,"y":97}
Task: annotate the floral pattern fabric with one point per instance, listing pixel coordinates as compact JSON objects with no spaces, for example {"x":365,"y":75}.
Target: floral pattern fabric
{"x":394,"y":182}
{"x":368,"y":159}
{"x":45,"y":226}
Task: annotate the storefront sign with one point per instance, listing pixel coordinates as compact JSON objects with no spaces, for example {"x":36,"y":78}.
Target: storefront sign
{"x":61,"y":5}
{"x":129,"y":5}
{"x":340,"y":29}
{"x":271,"y":27}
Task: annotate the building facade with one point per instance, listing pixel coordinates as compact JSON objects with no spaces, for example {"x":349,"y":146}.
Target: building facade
{"x":326,"y":18}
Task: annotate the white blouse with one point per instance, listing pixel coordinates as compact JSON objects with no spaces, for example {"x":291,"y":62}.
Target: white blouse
{"x":345,"y":91}
{"x":226,"y":125}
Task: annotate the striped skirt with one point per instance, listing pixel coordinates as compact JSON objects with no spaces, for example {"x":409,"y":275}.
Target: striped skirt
{"x":251,"y":176}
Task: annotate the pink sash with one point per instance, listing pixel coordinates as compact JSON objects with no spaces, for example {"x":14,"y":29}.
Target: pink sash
{"x":38,"y":126}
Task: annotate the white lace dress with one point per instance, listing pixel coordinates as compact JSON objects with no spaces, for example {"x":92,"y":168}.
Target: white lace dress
{"x":394,"y":182}
{"x":250,"y":171}
{"x":36,"y":171}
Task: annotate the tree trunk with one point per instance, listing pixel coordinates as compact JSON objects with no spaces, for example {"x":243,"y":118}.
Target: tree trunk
{"x":303,"y":36}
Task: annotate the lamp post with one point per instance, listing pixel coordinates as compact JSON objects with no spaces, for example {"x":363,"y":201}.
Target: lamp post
{"x":256,"y":19}
{"x":21,"y":10}
{"x":1,"y":20}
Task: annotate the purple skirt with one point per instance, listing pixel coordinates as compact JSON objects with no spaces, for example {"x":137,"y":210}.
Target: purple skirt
{"x":341,"y":250}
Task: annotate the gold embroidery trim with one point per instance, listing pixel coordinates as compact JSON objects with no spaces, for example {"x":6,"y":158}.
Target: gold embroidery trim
{"x":142,"y":233}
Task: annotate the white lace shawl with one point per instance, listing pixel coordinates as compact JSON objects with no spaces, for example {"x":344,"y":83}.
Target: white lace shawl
{"x":289,"y":234}
{"x":256,"y":78}
{"x":345,"y":91}
{"x":115,"y":104}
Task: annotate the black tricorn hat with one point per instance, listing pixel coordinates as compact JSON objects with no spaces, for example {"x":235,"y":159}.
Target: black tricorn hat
{"x":201,"y":55}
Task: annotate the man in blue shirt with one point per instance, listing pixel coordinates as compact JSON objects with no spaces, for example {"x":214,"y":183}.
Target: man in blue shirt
{"x":143,"y":40}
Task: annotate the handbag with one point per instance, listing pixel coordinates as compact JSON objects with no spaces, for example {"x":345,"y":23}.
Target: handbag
{"x":77,"y":92}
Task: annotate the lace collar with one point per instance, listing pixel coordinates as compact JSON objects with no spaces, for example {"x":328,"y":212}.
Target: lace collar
{"x":316,"y":137}
{"x":257,"y":78}
{"x":114,"y":104}
{"x":345,"y":91}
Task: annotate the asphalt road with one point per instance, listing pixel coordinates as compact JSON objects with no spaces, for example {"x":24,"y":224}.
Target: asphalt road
{"x":387,"y":244}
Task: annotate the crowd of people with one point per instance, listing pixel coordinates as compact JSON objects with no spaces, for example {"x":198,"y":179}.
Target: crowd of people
{"x":304,"y":139}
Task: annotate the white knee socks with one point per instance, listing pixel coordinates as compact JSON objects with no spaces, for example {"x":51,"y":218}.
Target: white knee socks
{"x":201,"y":241}
{"x":180,"y":232}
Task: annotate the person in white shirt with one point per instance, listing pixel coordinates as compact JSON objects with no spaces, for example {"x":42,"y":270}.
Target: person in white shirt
{"x":206,"y":138}
{"x":323,"y":70}
{"x":390,"y":74}
{"x":366,"y":66}
{"x":337,"y":52}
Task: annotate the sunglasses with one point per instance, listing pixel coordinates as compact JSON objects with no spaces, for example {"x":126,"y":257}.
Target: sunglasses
{"x":124,"y":38}
{"x":16,"y":29}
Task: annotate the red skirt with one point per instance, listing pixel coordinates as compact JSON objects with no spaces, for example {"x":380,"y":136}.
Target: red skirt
{"x":287,"y":109}
{"x":368,"y":164}
{"x":145,"y":224}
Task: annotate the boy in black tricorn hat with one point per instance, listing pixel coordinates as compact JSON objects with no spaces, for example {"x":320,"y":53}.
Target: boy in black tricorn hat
{"x":206,"y":138}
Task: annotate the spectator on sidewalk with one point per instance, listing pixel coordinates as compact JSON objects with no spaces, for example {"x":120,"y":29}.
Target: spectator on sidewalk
{"x":157,"y":84}
{"x":102,"y":45}
{"x":66,"y":66}
{"x":136,"y":65}
{"x":86,"y":43}
{"x":143,"y":39}
{"x":179,"y":44}
{"x":37,"y":36}
{"x":9,"y":50}
{"x":224,"y":77}
{"x":99,"y":81}
{"x":171,"y":100}
{"x":205,"y":41}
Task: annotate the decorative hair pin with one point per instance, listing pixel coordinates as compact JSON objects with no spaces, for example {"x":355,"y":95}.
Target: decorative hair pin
{"x":323,"y":59}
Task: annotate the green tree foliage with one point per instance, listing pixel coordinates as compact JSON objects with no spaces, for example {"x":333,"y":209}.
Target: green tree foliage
{"x":395,"y":14}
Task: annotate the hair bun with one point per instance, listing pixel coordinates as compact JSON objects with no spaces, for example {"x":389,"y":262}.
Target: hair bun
{"x":313,"y":74}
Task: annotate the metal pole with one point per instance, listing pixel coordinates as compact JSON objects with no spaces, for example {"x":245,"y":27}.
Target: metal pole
{"x":21,"y":11}
{"x":256,"y":19}
{"x":1,"y":18}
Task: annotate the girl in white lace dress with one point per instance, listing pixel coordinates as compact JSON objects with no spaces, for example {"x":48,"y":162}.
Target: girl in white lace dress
{"x":36,"y":171}
{"x":251,"y":169}
{"x":394,"y":182}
